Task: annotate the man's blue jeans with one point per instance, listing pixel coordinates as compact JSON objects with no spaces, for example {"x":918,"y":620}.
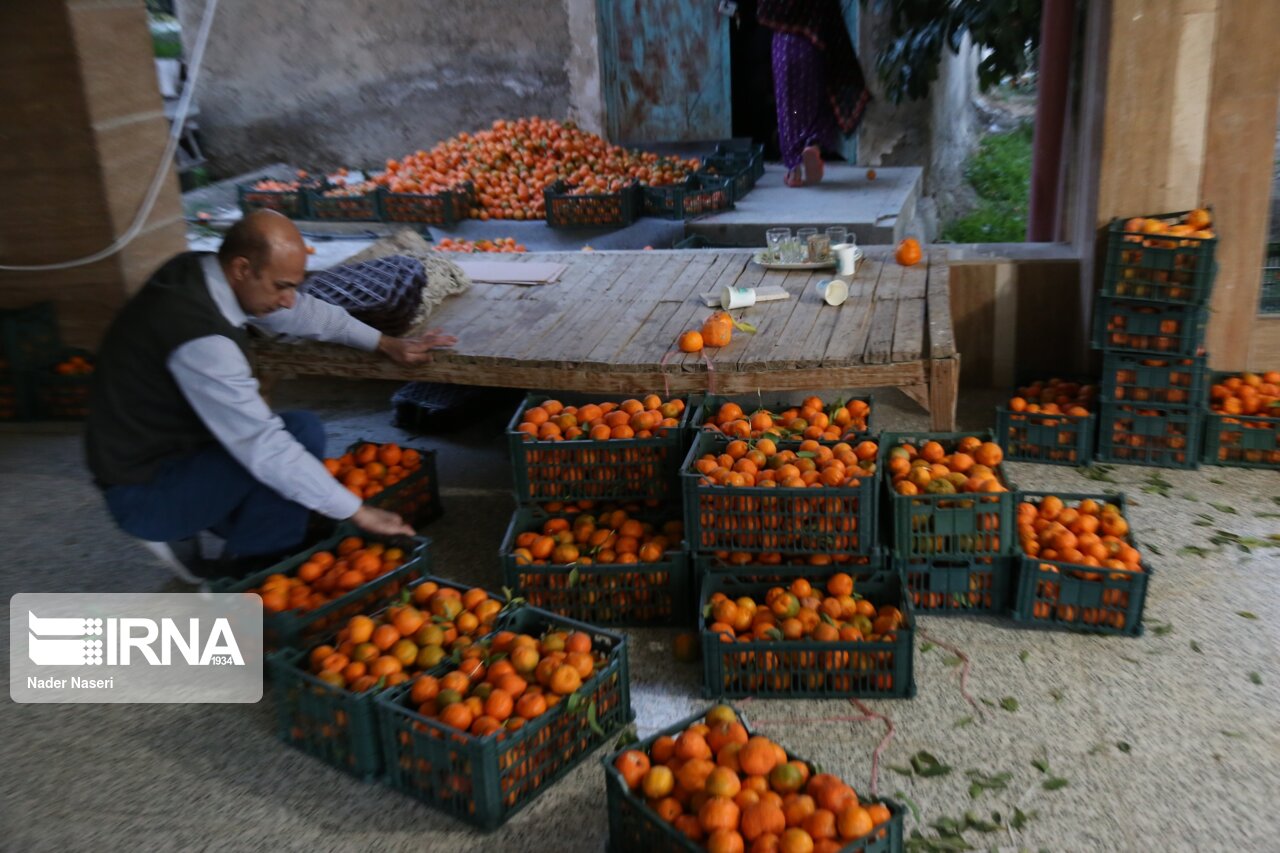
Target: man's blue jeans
{"x":209,"y":490}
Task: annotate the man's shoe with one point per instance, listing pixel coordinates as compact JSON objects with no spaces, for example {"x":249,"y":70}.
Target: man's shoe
{"x":182,"y":558}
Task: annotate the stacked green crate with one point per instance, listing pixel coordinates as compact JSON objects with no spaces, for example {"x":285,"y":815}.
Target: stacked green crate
{"x":1150,"y":323}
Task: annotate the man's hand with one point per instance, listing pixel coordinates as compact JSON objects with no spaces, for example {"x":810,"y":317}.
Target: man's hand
{"x":417,"y":350}
{"x":381,"y":522}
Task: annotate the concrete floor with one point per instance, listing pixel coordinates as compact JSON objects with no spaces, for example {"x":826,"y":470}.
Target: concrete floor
{"x":1164,"y":748}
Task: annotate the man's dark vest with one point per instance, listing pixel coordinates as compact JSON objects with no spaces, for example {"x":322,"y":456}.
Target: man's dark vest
{"x":138,"y":417}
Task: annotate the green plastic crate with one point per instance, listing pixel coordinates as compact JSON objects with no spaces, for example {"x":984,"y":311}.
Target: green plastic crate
{"x":1128,"y":378}
{"x":1053,"y":594}
{"x":743,"y":167}
{"x":29,"y":342}
{"x":64,"y":396}
{"x":353,"y":208}
{"x":705,"y":565}
{"x":617,"y":594}
{"x":634,"y":827}
{"x":763,"y":520}
{"x":416,"y":498}
{"x":582,"y":469}
{"x":485,"y":780}
{"x":949,"y":585}
{"x":1172,"y":270}
{"x":808,"y":669}
{"x":1240,"y":441}
{"x":1045,"y":438}
{"x":948,"y":525}
{"x":444,"y":209}
{"x":335,"y":725}
{"x":1270,"y":301}
{"x":698,"y":195}
{"x":592,"y":210}
{"x":1146,"y":434}
{"x":710,"y":404}
{"x":291,"y":203}
{"x":1146,"y":327}
{"x":295,"y":628}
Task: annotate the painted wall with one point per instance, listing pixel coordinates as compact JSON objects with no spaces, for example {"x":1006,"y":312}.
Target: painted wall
{"x":352,"y":82}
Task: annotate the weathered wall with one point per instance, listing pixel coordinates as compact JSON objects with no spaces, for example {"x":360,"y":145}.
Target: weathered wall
{"x":352,"y":82}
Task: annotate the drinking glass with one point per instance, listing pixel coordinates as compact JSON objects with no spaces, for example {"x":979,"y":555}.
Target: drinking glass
{"x":802,"y":237}
{"x":775,"y":239}
{"x":838,"y":234}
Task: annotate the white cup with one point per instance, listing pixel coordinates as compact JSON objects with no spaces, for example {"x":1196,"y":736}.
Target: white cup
{"x":847,"y":256}
{"x":737,"y":297}
{"x":834,"y":291}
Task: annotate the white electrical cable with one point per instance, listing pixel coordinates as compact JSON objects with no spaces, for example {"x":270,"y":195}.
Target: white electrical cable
{"x":171,"y":147}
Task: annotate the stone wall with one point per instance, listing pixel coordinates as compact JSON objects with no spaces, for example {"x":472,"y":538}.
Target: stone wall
{"x":353,"y":82}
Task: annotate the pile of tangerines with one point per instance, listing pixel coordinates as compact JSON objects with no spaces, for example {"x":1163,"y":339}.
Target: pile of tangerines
{"x":725,"y":789}
{"x":551,"y":420}
{"x":371,"y":468}
{"x":500,"y":245}
{"x":1055,"y":397}
{"x":801,"y":612}
{"x":512,"y":162}
{"x":1249,"y":394}
{"x":1165,"y":233}
{"x":811,"y":419}
{"x":1189,"y":232}
{"x":507,"y":681}
{"x":761,"y":463}
{"x":386,"y":649}
{"x":930,"y":469}
{"x":1168,"y":336}
{"x":327,"y":575}
{"x":612,"y":537}
{"x":716,"y":331}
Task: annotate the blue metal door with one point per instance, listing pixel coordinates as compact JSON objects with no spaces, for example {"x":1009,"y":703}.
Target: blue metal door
{"x":664,"y":70}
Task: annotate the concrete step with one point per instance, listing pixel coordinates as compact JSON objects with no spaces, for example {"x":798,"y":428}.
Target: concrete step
{"x":878,"y":211}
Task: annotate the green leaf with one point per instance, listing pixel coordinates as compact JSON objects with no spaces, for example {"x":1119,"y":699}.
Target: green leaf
{"x":975,"y":790}
{"x":1193,"y":550}
{"x":1009,"y":704}
{"x":1255,"y":678}
{"x":1123,"y":746}
{"x":593,"y":721}
{"x":1162,"y":630}
{"x":1157,"y":485}
{"x":962,"y":722}
{"x":1190,"y":497}
{"x":1097,"y":748}
{"x":927,"y":765}
{"x":774,"y":634}
{"x":1054,"y":784}
{"x":1229,"y":510}
{"x":706,"y":611}
{"x":1246,"y":614}
{"x":1195,"y":647}
{"x":900,"y":770}
{"x":953,"y":660}
{"x":572,"y":702}
{"x":1099,"y":473}
{"x":1057,"y":694}
{"x":1023,"y":654}
{"x":972,"y":821}
{"x":926,"y":647}
{"x":1041,"y":764}
{"x":1153,"y":549}
{"x":1217,"y":482}
{"x":911,"y":804}
{"x":1232,"y":734}
{"x":574,"y":574}
{"x":1020,"y":818}
{"x":826,"y":618}
{"x":626,"y":738}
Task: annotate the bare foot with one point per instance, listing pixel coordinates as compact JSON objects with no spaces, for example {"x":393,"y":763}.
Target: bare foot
{"x":794,"y":178}
{"x":812,"y":163}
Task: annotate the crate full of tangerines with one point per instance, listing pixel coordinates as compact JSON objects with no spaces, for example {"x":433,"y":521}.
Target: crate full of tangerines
{"x":609,"y":566}
{"x":1242,"y":427}
{"x":761,"y":497}
{"x":955,"y":585}
{"x":948,"y":495}
{"x":1051,"y":422}
{"x":310,"y":594}
{"x":1078,"y":567}
{"x":324,"y":693}
{"x":1167,"y":257}
{"x":481,"y":736}
{"x":398,"y":479}
{"x":815,"y":634}
{"x":617,"y":450}
{"x":708,"y":783}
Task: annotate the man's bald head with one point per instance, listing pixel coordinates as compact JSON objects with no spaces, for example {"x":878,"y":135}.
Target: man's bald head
{"x":258,"y":235}
{"x":264,"y":260}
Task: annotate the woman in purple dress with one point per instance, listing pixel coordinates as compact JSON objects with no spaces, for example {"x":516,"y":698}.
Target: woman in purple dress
{"x":818,"y":84}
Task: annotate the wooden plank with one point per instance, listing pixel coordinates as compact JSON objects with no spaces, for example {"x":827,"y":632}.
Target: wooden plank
{"x":795,"y":340}
{"x":908,"y":330}
{"x":973,"y":290}
{"x":771,"y":322}
{"x":944,"y":392}
{"x":942,"y":340}
{"x":884,"y":314}
{"x":657,"y":327}
{"x":915,"y":279}
{"x":631,"y":325}
{"x":819,"y":336}
{"x":542,"y":341}
{"x":849,"y":337}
